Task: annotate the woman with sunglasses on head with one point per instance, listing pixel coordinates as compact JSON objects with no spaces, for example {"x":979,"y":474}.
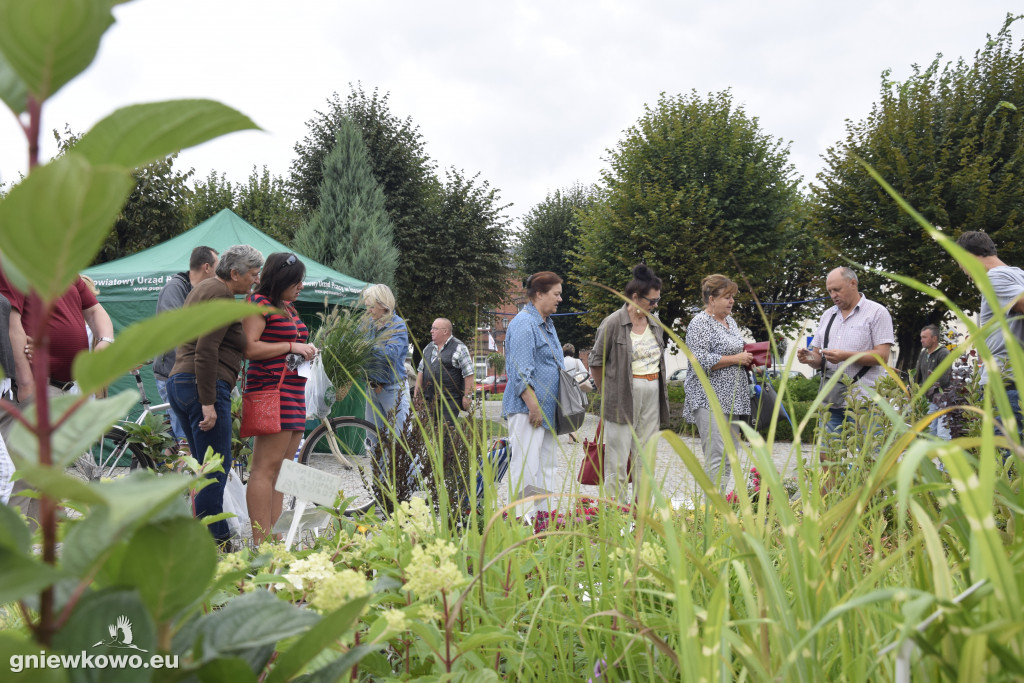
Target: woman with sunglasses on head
{"x":628,"y":366}
{"x":276,"y":343}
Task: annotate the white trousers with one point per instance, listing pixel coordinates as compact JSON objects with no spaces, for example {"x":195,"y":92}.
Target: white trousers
{"x":532,"y":467}
{"x":619,"y":439}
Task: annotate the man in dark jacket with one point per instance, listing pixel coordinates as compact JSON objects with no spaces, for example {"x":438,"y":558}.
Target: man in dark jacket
{"x":933,"y":353}
{"x":201,"y":266}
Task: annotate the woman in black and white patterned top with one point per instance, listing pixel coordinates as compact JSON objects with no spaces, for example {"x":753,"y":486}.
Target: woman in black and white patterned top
{"x":715,"y":341}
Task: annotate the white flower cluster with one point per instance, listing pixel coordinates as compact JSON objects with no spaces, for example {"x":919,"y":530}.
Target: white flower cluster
{"x":415,"y":518}
{"x":339,"y":588}
{"x":431,"y":569}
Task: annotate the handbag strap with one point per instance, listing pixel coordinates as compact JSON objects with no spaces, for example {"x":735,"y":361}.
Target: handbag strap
{"x":863,"y":369}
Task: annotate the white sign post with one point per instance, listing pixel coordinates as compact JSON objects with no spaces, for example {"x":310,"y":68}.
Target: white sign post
{"x":306,"y":484}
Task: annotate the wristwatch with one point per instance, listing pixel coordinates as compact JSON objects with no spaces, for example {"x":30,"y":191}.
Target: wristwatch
{"x":109,"y":340}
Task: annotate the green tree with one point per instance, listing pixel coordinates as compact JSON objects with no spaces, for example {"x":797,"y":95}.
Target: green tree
{"x":694,"y":188}
{"x":350,"y":230}
{"x":464,"y":268}
{"x":949,"y":140}
{"x":208,"y":197}
{"x":550,"y":241}
{"x":265,"y":202}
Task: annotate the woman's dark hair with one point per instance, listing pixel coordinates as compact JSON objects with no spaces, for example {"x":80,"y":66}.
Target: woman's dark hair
{"x":644,"y":280}
{"x":541,"y":283}
{"x":281,"y":271}
{"x":569,"y":350}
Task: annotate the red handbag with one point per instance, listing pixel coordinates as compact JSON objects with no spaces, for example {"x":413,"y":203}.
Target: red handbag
{"x":592,"y":467}
{"x":261,"y":411}
{"x":762,"y":352}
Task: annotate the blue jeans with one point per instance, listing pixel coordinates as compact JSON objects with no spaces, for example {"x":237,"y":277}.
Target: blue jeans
{"x":176,"y":430}
{"x":184,"y":398}
{"x":938,"y":427}
{"x":837,"y":416}
{"x":1014,"y":397}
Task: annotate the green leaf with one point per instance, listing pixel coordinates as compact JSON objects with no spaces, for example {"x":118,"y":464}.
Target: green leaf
{"x":85,"y":426}
{"x":135,"y":135}
{"x":49,"y":42}
{"x":232,"y":669}
{"x":249,"y":621}
{"x":337,"y":669}
{"x":88,"y":628}
{"x":87,"y":540}
{"x":53,"y":223}
{"x":14,"y":533}
{"x":13,"y":649}
{"x":148,"y":338}
{"x":13,"y":90}
{"x":170,"y":563}
{"x":53,"y":482}
{"x":22,"y":575}
{"x":141,"y":495}
{"x":314,"y":641}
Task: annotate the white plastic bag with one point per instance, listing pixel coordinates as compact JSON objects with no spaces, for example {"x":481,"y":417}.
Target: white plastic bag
{"x":234,"y":502}
{"x":319,"y":392}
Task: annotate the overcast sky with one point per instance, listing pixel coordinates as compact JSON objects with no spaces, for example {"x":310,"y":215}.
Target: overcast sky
{"x":529,"y":94}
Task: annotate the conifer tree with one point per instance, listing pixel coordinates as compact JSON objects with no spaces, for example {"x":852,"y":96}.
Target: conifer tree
{"x":350,"y":231}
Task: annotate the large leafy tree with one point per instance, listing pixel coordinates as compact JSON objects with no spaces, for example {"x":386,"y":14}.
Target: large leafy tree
{"x":464,"y":267}
{"x":694,"y":187}
{"x":549,"y":241}
{"x":208,"y":196}
{"x":264,"y":201}
{"x":451,"y":235}
{"x":949,"y":140}
{"x":350,"y":230}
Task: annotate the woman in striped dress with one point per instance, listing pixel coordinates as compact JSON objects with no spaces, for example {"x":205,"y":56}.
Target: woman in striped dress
{"x":275,"y":338}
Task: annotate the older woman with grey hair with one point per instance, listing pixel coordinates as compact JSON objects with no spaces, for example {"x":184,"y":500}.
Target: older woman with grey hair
{"x":386,"y":371}
{"x":204,"y":373}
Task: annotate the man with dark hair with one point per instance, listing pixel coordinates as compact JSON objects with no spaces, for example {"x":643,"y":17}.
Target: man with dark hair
{"x":1008,"y":283}
{"x":444,"y":379}
{"x":202,"y":265}
{"x":933,"y":353}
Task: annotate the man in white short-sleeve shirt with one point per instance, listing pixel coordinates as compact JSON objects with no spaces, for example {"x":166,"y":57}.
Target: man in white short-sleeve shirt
{"x":854,"y":326}
{"x":1008,"y":283}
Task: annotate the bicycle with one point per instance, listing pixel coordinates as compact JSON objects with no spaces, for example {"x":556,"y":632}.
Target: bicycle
{"x":341,"y":447}
{"x":117,"y":443}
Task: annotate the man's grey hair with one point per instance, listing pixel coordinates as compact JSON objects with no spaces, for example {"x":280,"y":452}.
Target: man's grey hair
{"x":240,"y":258}
{"x":934,"y":329}
{"x":848,"y":273}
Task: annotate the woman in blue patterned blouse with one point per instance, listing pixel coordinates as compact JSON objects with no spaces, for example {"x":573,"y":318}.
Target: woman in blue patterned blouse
{"x":715,"y":341}
{"x":532,"y":360}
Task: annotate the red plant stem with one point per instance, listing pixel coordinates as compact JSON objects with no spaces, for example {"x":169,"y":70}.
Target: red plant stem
{"x":447,"y":634}
{"x":44,"y":431}
{"x":35,"y":116}
{"x":355,"y":669}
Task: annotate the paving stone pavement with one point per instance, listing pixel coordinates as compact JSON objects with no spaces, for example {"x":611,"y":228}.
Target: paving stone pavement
{"x":671,"y":474}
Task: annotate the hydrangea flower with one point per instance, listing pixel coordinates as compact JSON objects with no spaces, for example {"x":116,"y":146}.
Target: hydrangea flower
{"x":431,"y":569}
{"x":339,"y":588}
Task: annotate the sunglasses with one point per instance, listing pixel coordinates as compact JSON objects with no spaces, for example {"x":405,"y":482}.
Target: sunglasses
{"x":292,"y":258}
{"x":653,"y":302}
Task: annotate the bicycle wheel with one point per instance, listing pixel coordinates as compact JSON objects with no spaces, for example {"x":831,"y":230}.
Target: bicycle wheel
{"x":111,"y":453}
{"x":349,"y":438}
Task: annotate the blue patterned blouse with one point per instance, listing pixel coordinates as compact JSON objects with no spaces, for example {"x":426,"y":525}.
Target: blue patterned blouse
{"x":387,"y":363}
{"x":531,"y":349}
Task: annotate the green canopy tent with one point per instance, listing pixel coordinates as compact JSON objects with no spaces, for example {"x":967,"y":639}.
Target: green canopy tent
{"x":129,"y":286}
